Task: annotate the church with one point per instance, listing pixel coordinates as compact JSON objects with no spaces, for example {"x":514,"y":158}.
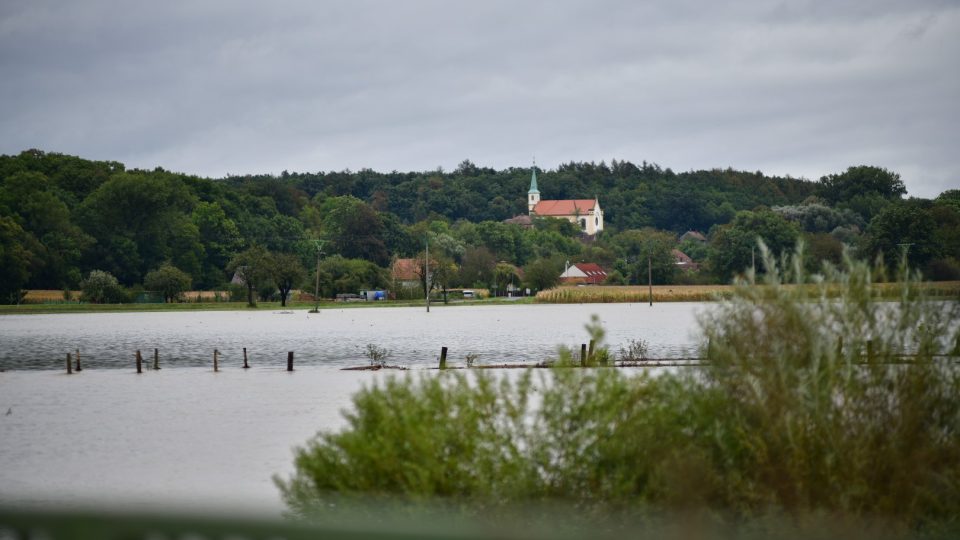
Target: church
{"x":586,"y":213}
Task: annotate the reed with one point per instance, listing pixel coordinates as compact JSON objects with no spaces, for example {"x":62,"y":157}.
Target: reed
{"x":604,"y":294}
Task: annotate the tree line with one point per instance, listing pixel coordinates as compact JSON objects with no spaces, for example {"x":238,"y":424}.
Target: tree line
{"x":64,"y":217}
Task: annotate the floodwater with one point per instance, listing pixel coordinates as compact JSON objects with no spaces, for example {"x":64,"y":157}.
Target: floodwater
{"x":338,"y":338}
{"x":186,"y":438}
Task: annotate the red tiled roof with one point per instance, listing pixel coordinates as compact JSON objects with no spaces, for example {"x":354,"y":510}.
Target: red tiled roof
{"x":594,"y":273}
{"x":681,"y":257}
{"x":564,"y":208}
{"x":405,"y":270}
{"x":591,"y":269}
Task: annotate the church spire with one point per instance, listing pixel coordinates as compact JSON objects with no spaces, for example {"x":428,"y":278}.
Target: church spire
{"x":533,"y":178}
{"x":533,"y":196}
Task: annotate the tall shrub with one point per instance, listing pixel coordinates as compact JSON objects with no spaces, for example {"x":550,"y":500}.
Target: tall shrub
{"x":101,"y":287}
{"x":786,"y":418}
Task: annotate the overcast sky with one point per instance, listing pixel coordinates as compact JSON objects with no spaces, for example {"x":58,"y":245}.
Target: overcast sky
{"x":211,"y":88}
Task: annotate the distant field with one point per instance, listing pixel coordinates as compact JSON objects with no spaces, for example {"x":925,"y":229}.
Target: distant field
{"x":620,"y":293}
{"x":684,"y":293}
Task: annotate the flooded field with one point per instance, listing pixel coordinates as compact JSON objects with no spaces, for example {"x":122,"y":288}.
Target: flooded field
{"x":190,"y":439}
{"x":501,"y":333}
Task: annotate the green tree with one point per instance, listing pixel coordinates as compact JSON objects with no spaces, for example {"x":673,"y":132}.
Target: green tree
{"x":169,"y":281}
{"x":56,"y":244}
{"x":130,"y":215}
{"x":287,"y":272}
{"x":220,"y":238}
{"x":908,"y":228}
{"x":543,"y":274}
{"x":476,"y":269}
{"x":863,"y":189}
{"x":340,"y":275}
{"x":14,"y":260}
{"x":733,"y":246}
{"x":101,"y":288}
{"x":638,"y":249}
{"x":252,"y":267}
{"x":354,"y":230}
{"x":504,"y":274}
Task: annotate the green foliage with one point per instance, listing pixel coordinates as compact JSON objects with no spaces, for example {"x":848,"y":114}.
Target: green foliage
{"x":340,"y":275}
{"x":286,"y":272}
{"x":377,"y":355}
{"x":354,"y":230}
{"x":784,"y":420}
{"x":907,"y":227}
{"x":14,"y":260}
{"x":638,"y":249}
{"x":476,"y":269}
{"x":101,"y":288}
{"x":637,"y":350}
{"x":169,"y":281}
{"x":253,"y":268}
{"x":78,"y":215}
{"x":818,"y":218}
{"x":732,"y":249}
{"x":863,"y":189}
{"x":504,"y":274}
{"x":542,"y":274}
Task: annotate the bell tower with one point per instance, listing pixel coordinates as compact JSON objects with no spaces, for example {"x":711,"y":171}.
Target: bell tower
{"x":533,"y":196}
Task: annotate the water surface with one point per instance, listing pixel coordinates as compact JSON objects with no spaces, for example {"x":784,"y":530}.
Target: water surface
{"x":338,"y":337}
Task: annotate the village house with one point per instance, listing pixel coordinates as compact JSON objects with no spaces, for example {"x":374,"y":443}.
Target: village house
{"x":693,"y":235}
{"x":404,"y":274}
{"x":585,"y":213}
{"x":684,"y":262}
{"x":583,"y":274}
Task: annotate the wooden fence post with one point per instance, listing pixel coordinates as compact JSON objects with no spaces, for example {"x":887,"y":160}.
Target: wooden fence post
{"x":216,"y":363}
{"x":583,"y":355}
{"x":443,"y":358}
{"x":69,"y":365}
{"x":245,"y":365}
{"x":290,"y":361}
{"x":139,"y":362}
{"x":78,"y":361}
{"x":590,"y":351}
{"x":156,"y":358}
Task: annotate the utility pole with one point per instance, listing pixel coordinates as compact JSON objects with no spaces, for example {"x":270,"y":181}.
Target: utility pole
{"x":316,"y":286}
{"x":426,"y":269}
{"x":650,"y":277}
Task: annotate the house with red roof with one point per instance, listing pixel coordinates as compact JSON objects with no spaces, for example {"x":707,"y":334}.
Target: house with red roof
{"x":586,"y":213}
{"x":583,"y":273}
{"x":404,"y":273}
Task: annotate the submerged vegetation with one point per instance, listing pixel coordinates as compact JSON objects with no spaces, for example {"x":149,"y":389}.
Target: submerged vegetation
{"x":805,"y":408}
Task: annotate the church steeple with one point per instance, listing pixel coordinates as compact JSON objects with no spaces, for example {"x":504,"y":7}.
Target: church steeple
{"x":533,"y":196}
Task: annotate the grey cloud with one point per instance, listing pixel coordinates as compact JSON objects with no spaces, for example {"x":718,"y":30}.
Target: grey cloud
{"x":800,"y":88}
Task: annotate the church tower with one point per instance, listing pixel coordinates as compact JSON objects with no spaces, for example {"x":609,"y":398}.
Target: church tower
{"x":533,"y":196}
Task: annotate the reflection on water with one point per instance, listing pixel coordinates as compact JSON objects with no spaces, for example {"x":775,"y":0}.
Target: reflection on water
{"x":338,"y":337}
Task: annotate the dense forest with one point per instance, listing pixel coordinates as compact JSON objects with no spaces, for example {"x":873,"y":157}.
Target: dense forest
{"x":65,"y":220}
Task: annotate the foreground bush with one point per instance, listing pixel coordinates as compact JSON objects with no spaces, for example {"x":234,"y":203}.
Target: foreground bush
{"x":806,"y":408}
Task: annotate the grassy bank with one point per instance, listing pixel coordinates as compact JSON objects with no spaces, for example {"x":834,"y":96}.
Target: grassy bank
{"x":74,"y":307}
